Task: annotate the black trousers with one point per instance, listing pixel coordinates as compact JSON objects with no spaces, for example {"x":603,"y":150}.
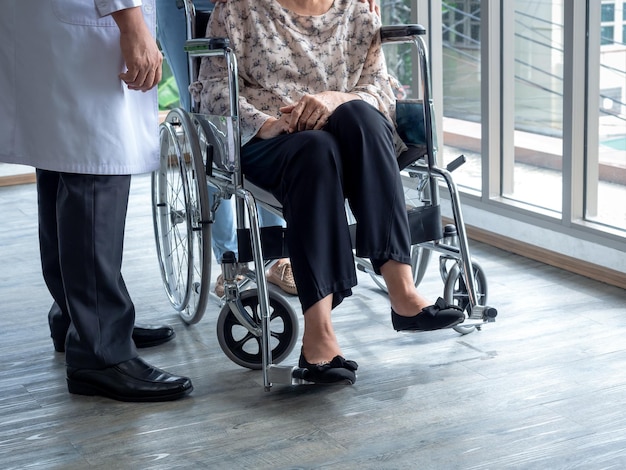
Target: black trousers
{"x":312,"y":173}
{"x":81,"y":237}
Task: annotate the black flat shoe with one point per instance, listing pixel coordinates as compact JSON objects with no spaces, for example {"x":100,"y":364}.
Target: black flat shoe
{"x":132,"y":380}
{"x":144,"y":336}
{"x":337,"y":371}
{"x":435,"y":317}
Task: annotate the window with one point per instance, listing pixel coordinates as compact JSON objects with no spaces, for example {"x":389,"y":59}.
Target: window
{"x":605,"y":196}
{"x":607,"y":33}
{"x":608,"y":12}
{"x":532,"y":147}
{"x":461,"y":89}
{"x":533,"y":92}
{"x":461,"y":23}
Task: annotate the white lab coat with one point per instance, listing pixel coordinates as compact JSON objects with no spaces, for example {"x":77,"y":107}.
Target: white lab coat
{"x":63,"y":106}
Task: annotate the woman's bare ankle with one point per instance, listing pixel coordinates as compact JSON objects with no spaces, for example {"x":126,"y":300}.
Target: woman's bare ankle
{"x":319,"y":343}
{"x":409,"y":305}
{"x":404,"y":298}
{"x":320,"y":351}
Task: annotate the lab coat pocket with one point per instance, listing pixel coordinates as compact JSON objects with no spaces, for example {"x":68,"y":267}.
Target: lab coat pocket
{"x":80,"y":12}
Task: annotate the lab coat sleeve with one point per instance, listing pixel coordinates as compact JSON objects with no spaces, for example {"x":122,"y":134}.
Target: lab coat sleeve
{"x":106,"y":7}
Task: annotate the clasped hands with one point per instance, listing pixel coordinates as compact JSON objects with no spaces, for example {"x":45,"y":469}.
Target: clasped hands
{"x":310,"y":113}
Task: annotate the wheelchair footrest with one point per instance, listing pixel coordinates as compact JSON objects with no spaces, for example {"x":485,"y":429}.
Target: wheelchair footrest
{"x":286,"y":375}
{"x":484,"y":313}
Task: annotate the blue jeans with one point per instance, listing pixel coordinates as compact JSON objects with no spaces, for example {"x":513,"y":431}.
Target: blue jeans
{"x":172,"y":34}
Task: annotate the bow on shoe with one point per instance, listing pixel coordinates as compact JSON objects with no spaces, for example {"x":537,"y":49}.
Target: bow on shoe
{"x":439,"y":305}
{"x":338,"y":370}
{"x":434,"y":317}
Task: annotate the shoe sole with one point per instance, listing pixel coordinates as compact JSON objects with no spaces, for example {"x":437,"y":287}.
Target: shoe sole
{"x":339,"y":382}
{"x":278,"y":283}
{"x":452,"y":325}
{"x":81,"y":388}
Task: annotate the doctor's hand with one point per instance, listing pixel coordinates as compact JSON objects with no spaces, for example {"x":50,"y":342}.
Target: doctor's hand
{"x":139,"y":50}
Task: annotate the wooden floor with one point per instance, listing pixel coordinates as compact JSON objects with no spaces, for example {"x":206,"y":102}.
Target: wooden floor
{"x":542,"y":388}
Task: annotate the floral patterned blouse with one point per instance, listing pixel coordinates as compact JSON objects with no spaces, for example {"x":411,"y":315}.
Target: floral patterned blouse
{"x":282,"y":56}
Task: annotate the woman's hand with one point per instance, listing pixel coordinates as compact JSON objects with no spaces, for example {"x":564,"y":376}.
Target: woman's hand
{"x":273,"y":127}
{"x":312,"y":111}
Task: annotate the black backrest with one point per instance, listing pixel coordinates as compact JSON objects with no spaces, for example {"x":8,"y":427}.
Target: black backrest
{"x":202,"y":19}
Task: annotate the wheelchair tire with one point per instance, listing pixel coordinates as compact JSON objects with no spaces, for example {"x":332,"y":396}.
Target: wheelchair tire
{"x":180,"y":214}
{"x":242,"y":347}
{"x":455,"y":291}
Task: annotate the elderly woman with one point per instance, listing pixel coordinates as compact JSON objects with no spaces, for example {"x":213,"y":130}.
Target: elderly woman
{"x":316,"y":112}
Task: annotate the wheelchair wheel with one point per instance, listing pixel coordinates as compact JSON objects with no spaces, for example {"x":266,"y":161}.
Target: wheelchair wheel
{"x":419,"y":262}
{"x":455,"y":291}
{"x":180,"y":212}
{"x":242,"y":347}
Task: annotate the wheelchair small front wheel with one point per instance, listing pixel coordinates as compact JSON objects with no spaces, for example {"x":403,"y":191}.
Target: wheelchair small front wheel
{"x":456,"y":293}
{"x":244,"y":348}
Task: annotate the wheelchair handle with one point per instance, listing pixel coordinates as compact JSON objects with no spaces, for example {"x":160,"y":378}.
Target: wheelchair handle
{"x":206,"y":44}
{"x":401,"y":32}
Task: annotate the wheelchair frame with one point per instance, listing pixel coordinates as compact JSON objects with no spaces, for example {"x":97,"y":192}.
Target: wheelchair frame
{"x":182,"y":221}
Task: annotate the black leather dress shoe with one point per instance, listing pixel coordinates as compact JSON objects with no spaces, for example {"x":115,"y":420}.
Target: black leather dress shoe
{"x":435,"y":317}
{"x":144,"y":336}
{"x":132,"y":380}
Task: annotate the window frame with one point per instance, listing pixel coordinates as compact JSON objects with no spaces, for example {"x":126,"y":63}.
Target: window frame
{"x":568,"y":233}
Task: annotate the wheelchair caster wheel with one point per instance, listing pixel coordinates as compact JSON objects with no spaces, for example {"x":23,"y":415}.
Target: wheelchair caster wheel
{"x":244,"y":348}
{"x":455,"y":292}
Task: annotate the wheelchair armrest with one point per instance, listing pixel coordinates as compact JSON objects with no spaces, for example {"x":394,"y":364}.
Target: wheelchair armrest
{"x":401,"y":32}
{"x":206,"y":44}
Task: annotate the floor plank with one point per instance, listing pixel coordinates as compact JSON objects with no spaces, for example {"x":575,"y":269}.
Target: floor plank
{"x":543,"y":387}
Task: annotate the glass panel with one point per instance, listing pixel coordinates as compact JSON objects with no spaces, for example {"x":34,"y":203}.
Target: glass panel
{"x":395,"y":11}
{"x":606,"y":202}
{"x":538,"y":105}
{"x":399,"y":57}
{"x":461,"y":89}
{"x":606,"y":35}
{"x":608,"y":12}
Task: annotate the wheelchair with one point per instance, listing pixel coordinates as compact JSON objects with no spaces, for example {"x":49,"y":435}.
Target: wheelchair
{"x":257,"y":328}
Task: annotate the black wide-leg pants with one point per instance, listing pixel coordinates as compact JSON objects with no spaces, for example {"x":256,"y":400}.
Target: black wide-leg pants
{"x":81,"y":235}
{"x":312,"y":173}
